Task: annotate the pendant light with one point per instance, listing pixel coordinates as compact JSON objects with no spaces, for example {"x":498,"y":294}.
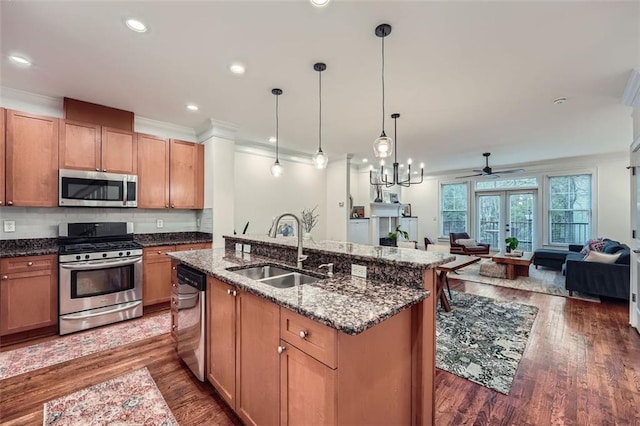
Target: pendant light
{"x":276,"y":168}
{"x":319,"y":159}
{"x":382,"y":147}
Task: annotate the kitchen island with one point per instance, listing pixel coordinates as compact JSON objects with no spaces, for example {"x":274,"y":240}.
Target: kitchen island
{"x":340,"y":350}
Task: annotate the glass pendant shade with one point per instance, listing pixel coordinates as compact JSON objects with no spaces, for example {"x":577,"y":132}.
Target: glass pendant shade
{"x":320,"y":160}
{"x":277,"y":169}
{"x":383,"y":146}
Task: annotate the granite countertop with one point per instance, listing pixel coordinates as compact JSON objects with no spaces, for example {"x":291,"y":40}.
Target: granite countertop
{"x":348,"y":304}
{"x":389,"y":255}
{"x":170,"y":238}
{"x":28,"y":247}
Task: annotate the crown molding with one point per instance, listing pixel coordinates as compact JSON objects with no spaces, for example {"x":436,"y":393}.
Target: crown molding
{"x":22,"y":100}
{"x":631,"y":95}
{"x":216,"y":128}
{"x":162,"y":128}
{"x":255,"y":148}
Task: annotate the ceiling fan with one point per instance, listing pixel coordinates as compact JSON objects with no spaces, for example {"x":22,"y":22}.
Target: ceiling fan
{"x":488,"y":171}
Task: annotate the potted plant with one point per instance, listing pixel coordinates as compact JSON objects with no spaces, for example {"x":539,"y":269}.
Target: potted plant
{"x":309,"y":220}
{"x":392,"y":237}
{"x":512,"y":244}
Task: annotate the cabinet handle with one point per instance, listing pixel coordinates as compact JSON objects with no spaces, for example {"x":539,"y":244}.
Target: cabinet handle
{"x":29,"y":263}
{"x":229,"y":291}
{"x":0,"y":202}
{"x":235,"y":293}
{"x":159,"y":252}
{"x":175,"y":302}
{"x":97,"y":169}
{"x":173,"y":267}
{"x":173,"y":285}
{"x":166,"y":206}
{"x":173,"y":206}
{"x":4,"y":277}
{"x":10,"y":203}
{"x":104,"y":170}
{"x":281,"y":349}
{"x":174,"y":327}
{"x":303,"y":334}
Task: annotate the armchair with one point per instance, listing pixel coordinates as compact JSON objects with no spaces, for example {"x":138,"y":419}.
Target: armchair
{"x":473,"y":247}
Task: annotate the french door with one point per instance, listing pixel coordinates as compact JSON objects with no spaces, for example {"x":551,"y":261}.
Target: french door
{"x":503,"y":214}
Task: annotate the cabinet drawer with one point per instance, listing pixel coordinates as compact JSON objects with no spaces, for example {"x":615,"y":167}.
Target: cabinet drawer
{"x":185,"y":247}
{"x":157,"y":253}
{"x":311,"y":337}
{"x":27,"y":263}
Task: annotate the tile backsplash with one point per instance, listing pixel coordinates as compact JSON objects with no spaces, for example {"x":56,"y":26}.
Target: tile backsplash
{"x":31,"y":222}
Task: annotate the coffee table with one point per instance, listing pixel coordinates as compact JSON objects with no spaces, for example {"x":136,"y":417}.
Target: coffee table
{"x":442,"y":280}
{"x":516,"y":266}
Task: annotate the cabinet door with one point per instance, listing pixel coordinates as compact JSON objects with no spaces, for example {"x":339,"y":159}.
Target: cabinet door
{"x":221,"y":326}
{"x":153,"y":172}
{"x":79,"y":146}
{"x":119,"y":151}
{"x":257,"y":360}
{"x":308,"y":389}
{"x":156,"y":266}
{"x":31,"y":160}
{"x":2,"y":147}
{"x":28,"y":300}
{"x":186,"y":175}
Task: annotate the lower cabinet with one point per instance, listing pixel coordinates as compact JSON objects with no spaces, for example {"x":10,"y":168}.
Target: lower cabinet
{"x":28,"y":293}
{"x":274,"y":366}
{"x":175,"y":299}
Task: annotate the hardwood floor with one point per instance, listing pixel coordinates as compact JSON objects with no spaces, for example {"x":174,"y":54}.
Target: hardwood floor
{"x":581,"y":366}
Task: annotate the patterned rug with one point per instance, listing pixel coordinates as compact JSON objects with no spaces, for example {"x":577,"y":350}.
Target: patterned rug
{"x":132,"y":399}
{"x":542,"y":280}
{"x":483,"y":339}
{"x":80,"y":344}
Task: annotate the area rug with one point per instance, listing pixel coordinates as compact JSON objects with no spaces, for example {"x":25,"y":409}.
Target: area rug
{"x":483,"y":339}
{"x":546,"y":281}
{"x":80,"y":344}
{"x":131,"y":399}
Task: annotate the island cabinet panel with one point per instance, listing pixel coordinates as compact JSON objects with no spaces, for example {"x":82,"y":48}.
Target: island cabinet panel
{"x":221,"y":324}
{"x":153,"y":172}
{"x":3,"y":200}
{"x":156,"y":270}
{"x":28,"y":293}
{"x":308,"y":391}
{"x":186,"y":175}
{"x":119,"y":151}
{"x":257,"y":360}
{"x":31,"y":160}
{"x":175,"y":299}
{"x":79,"y":146}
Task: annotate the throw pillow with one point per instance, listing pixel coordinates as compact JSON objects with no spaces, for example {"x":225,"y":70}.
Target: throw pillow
{"x":467,"y":242}
{"x":595,"y":256}
{"x":596,"y":244}
{"x":612,"y":247}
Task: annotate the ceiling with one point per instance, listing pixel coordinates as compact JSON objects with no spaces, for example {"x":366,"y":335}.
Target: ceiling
{"x":466,"y":77}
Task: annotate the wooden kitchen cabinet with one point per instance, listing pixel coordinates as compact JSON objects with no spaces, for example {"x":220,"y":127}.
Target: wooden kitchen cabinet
{"x":31,"y":174}
{"x":85,"y":146}
{"x":3,"y":200}
{"x":243,"y":337}
{"x":170,"y":173}
{"x":28,"y":293}
{"x":156,"y":272}
{"x":175,"y":299}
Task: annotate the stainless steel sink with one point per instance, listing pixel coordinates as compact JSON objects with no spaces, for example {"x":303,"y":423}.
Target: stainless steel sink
{"x":262,"y":272}
{"x":276,"y":276}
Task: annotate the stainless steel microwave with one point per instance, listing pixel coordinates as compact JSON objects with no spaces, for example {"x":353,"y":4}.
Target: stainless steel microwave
{"x":97,"y":189}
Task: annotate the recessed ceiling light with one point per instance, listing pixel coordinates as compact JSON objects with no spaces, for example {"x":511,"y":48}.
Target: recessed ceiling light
{"x":272,"y":139}
{"x":135,"y":25}
{"x":365,"y":160}
{"x":319,"y":3}
{"x":558,"y":101}
{"x":192,"y":107}
{"x":20,"y":60}
{"x":237,"y":68}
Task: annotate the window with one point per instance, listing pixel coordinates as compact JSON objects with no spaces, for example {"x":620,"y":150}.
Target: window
{"x":570,"y":209}
{"x":528,"y":182}
{"x":453,"y":208}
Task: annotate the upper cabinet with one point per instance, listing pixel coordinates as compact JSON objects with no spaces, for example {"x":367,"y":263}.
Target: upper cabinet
{"x":2,"y":143}
{"x":31,"y":160}
{"x":170,"y":173}
{"x":92,"y":147}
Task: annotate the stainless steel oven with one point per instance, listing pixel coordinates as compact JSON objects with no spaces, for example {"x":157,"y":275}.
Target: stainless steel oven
{"x":97,"y":189}
{"x":100,"y":275}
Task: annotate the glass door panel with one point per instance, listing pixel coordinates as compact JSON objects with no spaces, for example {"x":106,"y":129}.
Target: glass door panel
{"x":521,"y":219}
{"x":490,"y":217}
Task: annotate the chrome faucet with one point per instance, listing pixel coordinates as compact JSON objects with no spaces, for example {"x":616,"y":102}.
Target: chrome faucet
{"x":274,"y":230}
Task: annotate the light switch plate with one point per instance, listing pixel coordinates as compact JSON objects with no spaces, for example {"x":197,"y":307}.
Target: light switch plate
{"x":9,"y":226}
{"x":159,"y":223}
{"x":359,"y":270}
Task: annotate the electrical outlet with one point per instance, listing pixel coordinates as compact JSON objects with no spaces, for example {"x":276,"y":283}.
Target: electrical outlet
{"x":246,"y":248}
{"x":239,"y":247}
{"x":9,"y":226}
{"x":359,"y":271}
{"x":159,"y":223}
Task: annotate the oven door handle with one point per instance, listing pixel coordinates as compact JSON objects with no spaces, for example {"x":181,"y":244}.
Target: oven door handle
{"x":81,"y":316}
{"x":101,"y":264}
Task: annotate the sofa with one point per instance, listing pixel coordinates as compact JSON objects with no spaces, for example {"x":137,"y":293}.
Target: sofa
{"x":602,"y":279}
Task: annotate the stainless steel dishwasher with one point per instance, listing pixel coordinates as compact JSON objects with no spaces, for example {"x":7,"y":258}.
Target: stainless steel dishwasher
{"x":192,"y":286}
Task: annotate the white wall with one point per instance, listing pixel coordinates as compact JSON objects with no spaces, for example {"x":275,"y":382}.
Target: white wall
{"x":337,"y":199}
{"x":424,"y":204}
{"x":219,"y":186}
{"x":614,"y":198}
{"x":259,"y":197}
